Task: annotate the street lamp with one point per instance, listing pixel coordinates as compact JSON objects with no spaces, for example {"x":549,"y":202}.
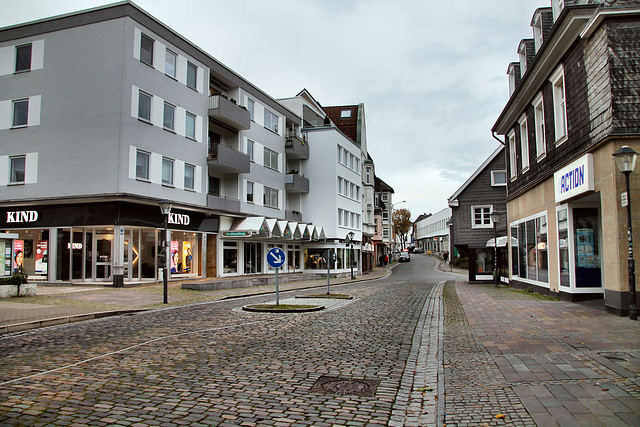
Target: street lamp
{"x":626,"y":161}
{"x":350,"y":237}
{"x":165,"y":207}
{"x":495,"y":217}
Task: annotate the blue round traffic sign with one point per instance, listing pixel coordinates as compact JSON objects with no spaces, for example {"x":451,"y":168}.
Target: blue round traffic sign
{"x":276,"y":257}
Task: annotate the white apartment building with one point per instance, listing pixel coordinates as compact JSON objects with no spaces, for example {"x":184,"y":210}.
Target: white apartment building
{"x":433,"y":232}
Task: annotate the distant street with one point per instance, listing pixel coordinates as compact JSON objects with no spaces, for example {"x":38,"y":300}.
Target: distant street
{"x":212,"y":364}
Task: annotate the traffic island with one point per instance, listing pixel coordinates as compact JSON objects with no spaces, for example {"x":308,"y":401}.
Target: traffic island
{"x":283,"y":308}
{"x":330,"y":296}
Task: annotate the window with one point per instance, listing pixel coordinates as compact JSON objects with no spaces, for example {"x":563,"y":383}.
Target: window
{"x":249,"y":191}
{"x":170,"y":61}
{"x":142,"y":165}
{"x":190,"y":126}
{"x":169,"y":116}
{"x":144,"y":106}
{"x":541,"y":143}
{"x":146,"y":50}
{"x":524,"y":142}
{"x":530,"y":258}
{"x":559,"y":105}
{"x":270,"y":159}
{"x":481,"y":216}
{"x":250,"y":107}
{"x":513,"y":161}
{"x":537,"y":30}
{"x":270,"y":197}
{"x":250,"y":146}
{"x":498,"y":178}
{"x":522,"y":54}
{"x":23,"y":58}
{"x":214,"y":185}
{"x":17,"y":166}
{"x":192,"y":74}
{"x":189,"y":176}
{"x":20,"y":112}
{"x":345,"y":114}
{"x":167,"y":171}
{"x":270,"y":120}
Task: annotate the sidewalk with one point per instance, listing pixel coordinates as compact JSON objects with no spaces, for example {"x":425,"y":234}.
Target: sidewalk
{"x":55,"y":304}
{"x":513,"y":358}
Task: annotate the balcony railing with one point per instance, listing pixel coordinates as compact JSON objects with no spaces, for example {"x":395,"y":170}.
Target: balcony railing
{"x":227,"y":160}
{"x":229,"y":113}
{"x":296,"y":147}
{"x":222,"y":203}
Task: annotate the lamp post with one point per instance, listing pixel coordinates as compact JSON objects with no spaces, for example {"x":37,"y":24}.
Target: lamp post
{"x":626,"y":161}
{"x":495,"y":217}
{"x":450,"y":227}
{"x":350,"y":237}
{"x":165,"y":207}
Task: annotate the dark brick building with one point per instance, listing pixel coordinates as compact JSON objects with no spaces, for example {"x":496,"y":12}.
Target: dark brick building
{"x":574,"y":101}
{"x":471,"y":206}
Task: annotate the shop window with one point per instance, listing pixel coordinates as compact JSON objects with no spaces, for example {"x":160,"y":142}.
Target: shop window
{"x":184,"y":253}
{"x":532,"y":251}
{"x":252,"y":257}
{"x":230,"y":257}
{"x":563,"y":246}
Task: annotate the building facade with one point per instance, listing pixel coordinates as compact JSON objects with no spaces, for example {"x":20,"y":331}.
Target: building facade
{"x":94,"y":136}
{"x":473,"y":230}
{"x":574,"y":102}
{"x":432,"y":232}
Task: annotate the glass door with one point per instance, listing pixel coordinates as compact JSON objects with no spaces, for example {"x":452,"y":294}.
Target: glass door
{"x":587,"y":252}
{"x":103,"y":248}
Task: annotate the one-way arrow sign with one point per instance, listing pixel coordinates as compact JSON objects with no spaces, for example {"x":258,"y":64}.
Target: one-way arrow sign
{"x":276,"y":257}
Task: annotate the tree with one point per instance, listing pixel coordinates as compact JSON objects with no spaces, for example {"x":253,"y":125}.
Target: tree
{"x":402,"y":224}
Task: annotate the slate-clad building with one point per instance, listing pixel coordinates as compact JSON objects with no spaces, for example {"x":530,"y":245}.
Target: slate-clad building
{"x":574,"y":101}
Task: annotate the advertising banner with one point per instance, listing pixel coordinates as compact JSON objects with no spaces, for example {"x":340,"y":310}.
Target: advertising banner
{"x":18,"y":254}
{"x":174,"y":253}
{"x":186,"y":257}
{"x":41,"y":256}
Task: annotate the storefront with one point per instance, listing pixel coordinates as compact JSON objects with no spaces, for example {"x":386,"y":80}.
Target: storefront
{"x":558,"y":244}
{"x":106,"y":242}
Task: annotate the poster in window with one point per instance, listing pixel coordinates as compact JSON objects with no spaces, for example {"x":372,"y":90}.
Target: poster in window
{"x":18,"y":254}
{"x":586,"y":253}
{"x":7,"y":259}
{"x":41,"y":256}
{"x":175,"y":256}
{"x":4,"y":271}
{"x":186,"y":256}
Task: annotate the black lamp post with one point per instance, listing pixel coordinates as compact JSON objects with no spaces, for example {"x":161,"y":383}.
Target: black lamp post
{"x":350,"y":237}
{"x":165,"y":207}
{"x":626,"y":161}
{"x":495,"y":217}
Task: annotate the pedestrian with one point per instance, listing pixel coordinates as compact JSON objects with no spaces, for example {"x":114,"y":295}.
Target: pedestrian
{"x":386,"y":259}
{"x":445,"y":256}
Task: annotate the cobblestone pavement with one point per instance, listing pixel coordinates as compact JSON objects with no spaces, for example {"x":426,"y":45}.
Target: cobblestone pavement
{"x":513,"y":359}
{"x":211,"y":364}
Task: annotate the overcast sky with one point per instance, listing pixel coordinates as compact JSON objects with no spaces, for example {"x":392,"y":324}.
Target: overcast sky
{"x":432,"y":74}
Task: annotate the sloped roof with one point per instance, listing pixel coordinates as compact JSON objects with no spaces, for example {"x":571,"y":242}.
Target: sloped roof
{"x":348,"y":125}
{"x":499,"y":150}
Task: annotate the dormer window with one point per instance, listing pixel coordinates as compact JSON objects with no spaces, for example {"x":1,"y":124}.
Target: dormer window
{"x":522,"y":54}
{"x":345,"y":114}
{"x":558,"y":7}
{"x":514,"y":76}
{"x":537,"y":30}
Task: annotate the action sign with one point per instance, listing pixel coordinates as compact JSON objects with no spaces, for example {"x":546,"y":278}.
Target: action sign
{"x":276,"y":257}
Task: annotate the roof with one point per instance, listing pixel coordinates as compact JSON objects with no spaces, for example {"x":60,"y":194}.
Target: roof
{"x":478,"y":171}
{"x":348,"y":125}
{"x":381,"y":186}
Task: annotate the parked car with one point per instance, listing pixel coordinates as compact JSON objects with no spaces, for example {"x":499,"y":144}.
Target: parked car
{"x":418,"y":251}
{"x":404,"y":257}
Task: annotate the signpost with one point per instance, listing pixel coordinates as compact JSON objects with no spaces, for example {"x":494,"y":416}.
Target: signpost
{"x":276,"y":258}
{"x":330,"y":258}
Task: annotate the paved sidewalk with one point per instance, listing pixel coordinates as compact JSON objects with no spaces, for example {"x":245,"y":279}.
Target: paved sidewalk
{"x":57,"y":304}
{"x":517,"y":359}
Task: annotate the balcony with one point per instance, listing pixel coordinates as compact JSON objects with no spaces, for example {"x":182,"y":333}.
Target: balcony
{"x":227,"y":160}
{"x":295,"y":147}
{"x":227,"y":112}
{"x":221,"y":203}
{"x":293,"y":216}
{"x":295,"y":183}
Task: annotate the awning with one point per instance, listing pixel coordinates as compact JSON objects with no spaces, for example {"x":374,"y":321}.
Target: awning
{"x":502,"y":242}
{"x":248,"y":227}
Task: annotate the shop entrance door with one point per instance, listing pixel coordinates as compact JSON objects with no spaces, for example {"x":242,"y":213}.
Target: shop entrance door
{"x":131,"y":254}
{"x":587,"y":247}
{"x":103,"y":248}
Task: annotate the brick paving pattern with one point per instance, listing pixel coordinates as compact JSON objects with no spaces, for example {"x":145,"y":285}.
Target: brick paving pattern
{"x":211,"y":364}
{"x":537,"y":362}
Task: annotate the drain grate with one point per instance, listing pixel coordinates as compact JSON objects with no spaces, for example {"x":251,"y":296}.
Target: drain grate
{"x":344,"y":386}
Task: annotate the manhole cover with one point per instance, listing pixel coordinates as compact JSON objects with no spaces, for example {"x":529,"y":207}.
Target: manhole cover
{"x":343,"y":386}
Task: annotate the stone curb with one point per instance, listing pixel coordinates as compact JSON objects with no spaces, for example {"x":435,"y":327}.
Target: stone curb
{"x":35,"y":324}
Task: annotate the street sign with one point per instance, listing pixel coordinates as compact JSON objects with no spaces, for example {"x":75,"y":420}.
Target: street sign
{"x":276,"y":257}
